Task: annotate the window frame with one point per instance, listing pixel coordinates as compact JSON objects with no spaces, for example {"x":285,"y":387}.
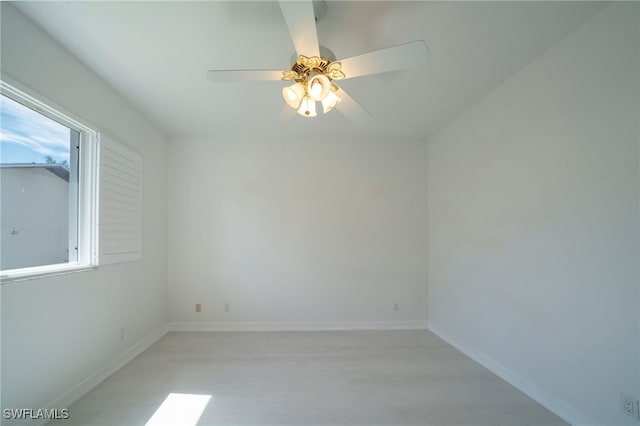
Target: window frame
{"x":87,"y":186}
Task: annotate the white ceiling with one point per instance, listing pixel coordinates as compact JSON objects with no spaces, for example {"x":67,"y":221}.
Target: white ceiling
{"x":156,"y":55}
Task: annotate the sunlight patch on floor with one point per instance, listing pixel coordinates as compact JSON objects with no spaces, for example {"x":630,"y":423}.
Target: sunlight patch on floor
{"x":181,"y":409}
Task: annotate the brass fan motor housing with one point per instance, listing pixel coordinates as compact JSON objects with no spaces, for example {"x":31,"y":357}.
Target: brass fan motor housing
{"x":302,"y":66}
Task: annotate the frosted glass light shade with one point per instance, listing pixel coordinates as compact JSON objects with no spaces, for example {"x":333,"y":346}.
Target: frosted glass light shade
{"x":318,"y":87}
{"x":307,"y":107}
{"x":330,"y":101}
{"x":293,"y":95}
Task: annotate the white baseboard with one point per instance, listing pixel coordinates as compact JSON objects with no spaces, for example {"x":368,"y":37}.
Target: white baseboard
{"x":297,"y":326}
{"x":559,"y":408}
{"x":81,"y":388}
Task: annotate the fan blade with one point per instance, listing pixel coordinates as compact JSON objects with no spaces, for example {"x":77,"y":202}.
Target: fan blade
{"x":301,"y":21}
{"x":390,"y":59}
{"x":352,"y":109}
{"x":244,"y":75}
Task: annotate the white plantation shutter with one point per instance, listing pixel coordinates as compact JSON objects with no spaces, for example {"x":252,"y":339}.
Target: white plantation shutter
{"x":120,"y":220}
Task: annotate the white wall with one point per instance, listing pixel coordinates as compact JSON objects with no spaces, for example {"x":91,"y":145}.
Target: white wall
{"x":59,"y":330}
{"x":533,"y":223}
{"x":25,"y":193}
{"x":295,"y":231}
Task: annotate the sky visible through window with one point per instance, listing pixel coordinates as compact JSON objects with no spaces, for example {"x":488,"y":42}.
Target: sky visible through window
{"x":27,"y":136}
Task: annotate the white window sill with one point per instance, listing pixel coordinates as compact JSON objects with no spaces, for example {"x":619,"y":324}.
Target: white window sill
{"x":37,"y":272}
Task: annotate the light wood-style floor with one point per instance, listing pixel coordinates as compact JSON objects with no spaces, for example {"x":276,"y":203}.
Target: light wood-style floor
{"x":308,"y":378}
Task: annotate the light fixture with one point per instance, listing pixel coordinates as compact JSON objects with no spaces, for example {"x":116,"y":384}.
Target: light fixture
{"x":330,"y":101}
{"x":293,"y":94}
{"x":318,"y":86}
{"x":313,"y":83}
{"x":307,"y":107}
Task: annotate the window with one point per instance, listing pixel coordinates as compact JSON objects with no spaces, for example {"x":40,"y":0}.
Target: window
{"x":47,"y":188}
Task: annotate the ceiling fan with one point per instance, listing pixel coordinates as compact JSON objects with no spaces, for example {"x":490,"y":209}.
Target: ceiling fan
{"x":314,"y":68}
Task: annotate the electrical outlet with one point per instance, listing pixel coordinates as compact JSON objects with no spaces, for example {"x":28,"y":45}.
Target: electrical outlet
{"x":630,"y":406}
{"x":121,"y":333}
{"x":396,"y":306}
{"x":227,"y":307}
{"x":198,"y":307}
